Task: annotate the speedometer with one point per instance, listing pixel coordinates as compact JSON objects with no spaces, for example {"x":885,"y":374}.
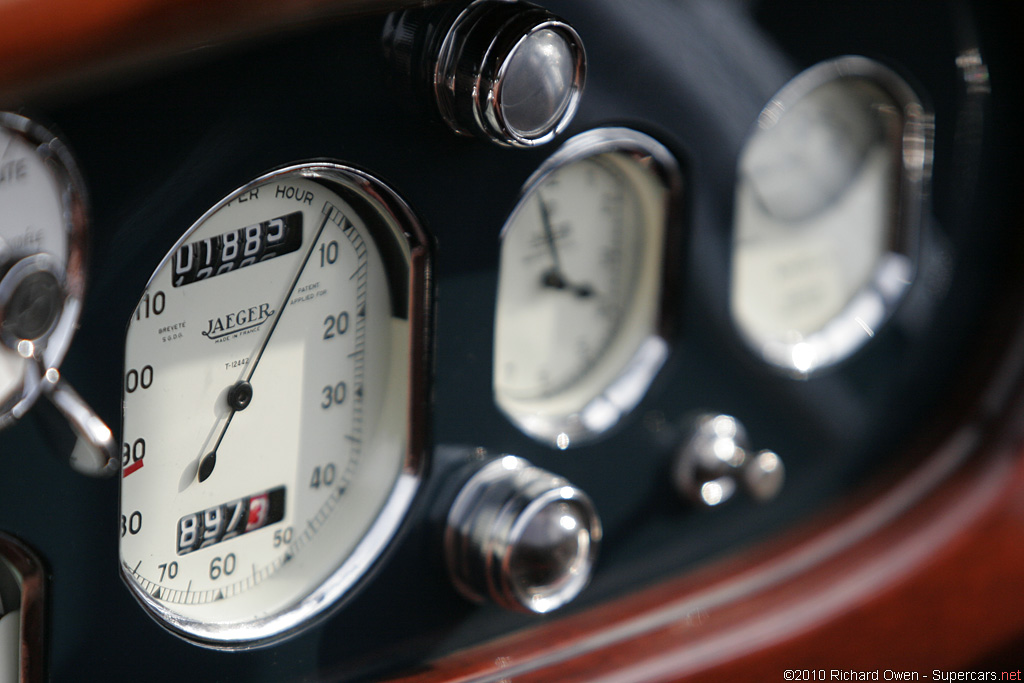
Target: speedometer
{"x":272,"y":371}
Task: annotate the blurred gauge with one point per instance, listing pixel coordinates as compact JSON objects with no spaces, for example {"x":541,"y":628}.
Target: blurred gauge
{"x":578,"y":329}
{"x":828,"y":208}
{"x":42,"y":259}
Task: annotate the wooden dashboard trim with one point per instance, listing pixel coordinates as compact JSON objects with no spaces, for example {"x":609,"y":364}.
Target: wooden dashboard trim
{"x":873,"y":591}
{"x":923,"y":573}
{"x":917,"y":574}
{"x":47,"y":46}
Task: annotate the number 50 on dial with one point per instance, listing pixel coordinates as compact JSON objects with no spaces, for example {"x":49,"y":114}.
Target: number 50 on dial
{"x":274,"y":370}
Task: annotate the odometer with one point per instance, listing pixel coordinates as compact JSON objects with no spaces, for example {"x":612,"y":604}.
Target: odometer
{"x":269,"y":453}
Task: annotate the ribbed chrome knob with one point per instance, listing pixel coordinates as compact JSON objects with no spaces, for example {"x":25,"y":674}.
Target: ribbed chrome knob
{"x":521,"y":537}
{"x":504,"y":70}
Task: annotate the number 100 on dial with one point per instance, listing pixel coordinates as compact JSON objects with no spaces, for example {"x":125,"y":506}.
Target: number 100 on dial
{"x":269,"y":446}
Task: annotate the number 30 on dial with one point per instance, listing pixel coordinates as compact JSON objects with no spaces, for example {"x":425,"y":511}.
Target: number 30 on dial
{"x":269,"y":448}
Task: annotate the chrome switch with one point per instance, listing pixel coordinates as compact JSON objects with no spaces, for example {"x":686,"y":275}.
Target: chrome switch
{"x":520,"y":536}
{"x":715,"y":460}
{"x":507,"y":71}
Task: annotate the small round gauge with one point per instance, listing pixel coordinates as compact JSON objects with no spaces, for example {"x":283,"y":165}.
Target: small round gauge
{"x":273,"y":388}
{"x":828,"y":203}
{"x":579,"y":320}
{"x":42,"y":258}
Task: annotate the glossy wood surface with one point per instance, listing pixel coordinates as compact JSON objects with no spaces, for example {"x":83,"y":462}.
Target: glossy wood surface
{"x":46,"y":44}
{"x":923,"y":572}
{"x":917,"y":574}
{"x":904,"y":583}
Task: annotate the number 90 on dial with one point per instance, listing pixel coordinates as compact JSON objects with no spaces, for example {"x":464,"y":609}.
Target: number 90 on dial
{"x":274,"y":368}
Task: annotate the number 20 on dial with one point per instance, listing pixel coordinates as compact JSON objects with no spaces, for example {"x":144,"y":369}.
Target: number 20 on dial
{"x":269,"y":446}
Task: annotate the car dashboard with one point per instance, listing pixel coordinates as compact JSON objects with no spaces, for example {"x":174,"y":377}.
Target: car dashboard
{"x":674,"y":392}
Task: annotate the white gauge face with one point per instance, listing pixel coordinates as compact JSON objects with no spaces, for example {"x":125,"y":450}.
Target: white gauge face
{"x":568,"y":269}
{"x":578,"y":294}
{"x":266,"y":459}
{"x":824,"y":214}
{"x":40,"y":258}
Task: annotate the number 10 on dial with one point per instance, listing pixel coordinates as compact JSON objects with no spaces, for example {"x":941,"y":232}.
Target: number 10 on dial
{"x":271,"y":440}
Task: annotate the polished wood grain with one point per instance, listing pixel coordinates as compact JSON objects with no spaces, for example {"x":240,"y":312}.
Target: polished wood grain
{"x":921,"y":571}
{"x":901,"y":584}
{"x":47,"y":44}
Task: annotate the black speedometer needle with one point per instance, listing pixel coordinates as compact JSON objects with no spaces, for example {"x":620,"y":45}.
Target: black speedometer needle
{"x":240,"y":394}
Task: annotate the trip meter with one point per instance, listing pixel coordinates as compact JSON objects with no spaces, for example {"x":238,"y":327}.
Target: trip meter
{"x":273,"y":378}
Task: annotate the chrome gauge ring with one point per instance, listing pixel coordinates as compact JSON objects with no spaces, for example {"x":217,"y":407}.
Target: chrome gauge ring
{"x":43,"y":224}
{"x":273,"y":392}
{"x":580,"y":321}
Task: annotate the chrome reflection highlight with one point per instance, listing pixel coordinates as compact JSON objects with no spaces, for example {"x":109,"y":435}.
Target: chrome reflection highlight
{"x":581,"y":322}
{"x":714,"y":461}
{"x":828,"y":212}
{"x":521,"y":537}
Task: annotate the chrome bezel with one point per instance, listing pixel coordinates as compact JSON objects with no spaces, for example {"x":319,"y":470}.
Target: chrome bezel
{"x":468,"y":92}
{"x":489,"y":102}
{"x":872,"y":306}
{"x":27,"y":569}
{"x":631,"y":381}
{"x":390,"y":212}
{"x":49,"y":351}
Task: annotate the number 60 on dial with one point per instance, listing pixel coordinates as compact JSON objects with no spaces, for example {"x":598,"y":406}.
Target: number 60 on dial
{"x":271,"y":443}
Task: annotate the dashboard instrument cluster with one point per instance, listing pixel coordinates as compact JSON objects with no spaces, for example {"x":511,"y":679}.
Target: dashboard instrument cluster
{"x":399,"y":334}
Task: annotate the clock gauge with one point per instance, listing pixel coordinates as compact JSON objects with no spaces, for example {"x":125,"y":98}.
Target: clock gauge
{"x":580,"y":321}
{"x":828,"y":210}
{"x":273,"y":390}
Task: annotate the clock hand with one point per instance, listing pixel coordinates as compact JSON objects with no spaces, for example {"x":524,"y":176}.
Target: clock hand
{"x":240,"y":395}
{"x":552,"y":278}
{"x":555,"y":278}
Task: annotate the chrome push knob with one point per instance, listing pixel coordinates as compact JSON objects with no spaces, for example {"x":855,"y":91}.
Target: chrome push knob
{"x":522,"y":537}
{"x":503,"y":70}
{"x":715,"y":461}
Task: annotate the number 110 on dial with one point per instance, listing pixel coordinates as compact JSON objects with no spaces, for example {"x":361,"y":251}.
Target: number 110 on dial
{"x":267,"y":376}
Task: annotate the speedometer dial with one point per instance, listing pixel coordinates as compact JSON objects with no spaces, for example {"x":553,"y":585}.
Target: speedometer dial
{"x":269,"y":449}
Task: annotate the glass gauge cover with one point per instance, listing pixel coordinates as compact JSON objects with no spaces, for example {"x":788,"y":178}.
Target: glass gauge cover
{"x":580,"y":321}
{"x":273,"y":390}
{"x":43,"y":222}
{"x":828,"y":208}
